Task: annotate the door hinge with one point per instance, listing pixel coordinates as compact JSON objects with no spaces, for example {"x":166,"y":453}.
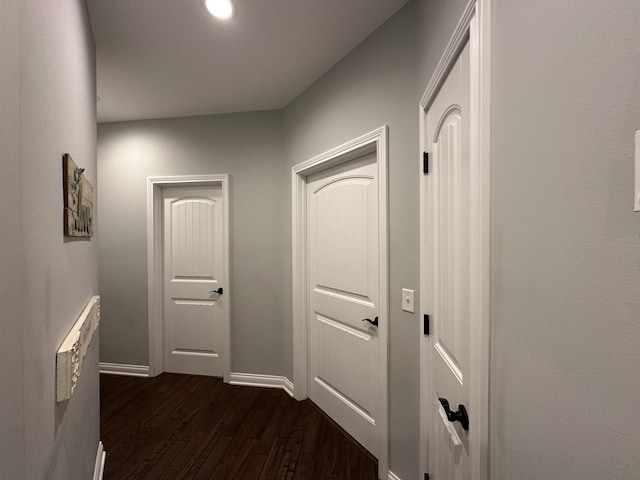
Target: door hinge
{"x":426,"y":476}
{"x":426,"y":325}
{"x":425,"y":163}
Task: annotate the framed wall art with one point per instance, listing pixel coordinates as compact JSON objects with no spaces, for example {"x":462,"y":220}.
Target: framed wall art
{"x":78,"y":200}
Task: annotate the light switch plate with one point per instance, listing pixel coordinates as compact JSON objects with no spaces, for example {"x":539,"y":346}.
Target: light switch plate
{"x":636,"y":200}
{"x":407,"y":300}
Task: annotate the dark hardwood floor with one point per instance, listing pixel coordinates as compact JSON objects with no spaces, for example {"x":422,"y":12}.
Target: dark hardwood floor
{"x":176,"y":427}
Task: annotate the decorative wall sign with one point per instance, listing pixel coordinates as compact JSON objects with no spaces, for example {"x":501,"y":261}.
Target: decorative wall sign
{"x":78,"y":200}
{"x":74,"y":348}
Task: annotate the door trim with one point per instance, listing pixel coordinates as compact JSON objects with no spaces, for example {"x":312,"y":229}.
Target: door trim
{"x":154,"y":262}
{"x":475,"y":26}
{"x":374,"y":141}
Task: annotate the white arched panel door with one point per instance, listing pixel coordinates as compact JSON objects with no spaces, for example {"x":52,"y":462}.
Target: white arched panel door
{"x":194,"y":283}
{"x":343,"y":265}
{"x":449,"y":248}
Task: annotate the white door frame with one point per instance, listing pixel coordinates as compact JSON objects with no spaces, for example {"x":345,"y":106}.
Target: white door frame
{"x":475,"y":26}
{"x":154,"y":263}
{"x":375,"y":141}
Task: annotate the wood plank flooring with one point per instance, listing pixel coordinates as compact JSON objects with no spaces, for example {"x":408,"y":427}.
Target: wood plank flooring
{"x":175,"y":427}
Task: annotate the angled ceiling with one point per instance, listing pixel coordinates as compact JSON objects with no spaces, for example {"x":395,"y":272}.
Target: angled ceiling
{"x":170,"y":58}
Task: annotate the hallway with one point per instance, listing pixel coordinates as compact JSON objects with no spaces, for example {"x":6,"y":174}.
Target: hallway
{"x":194,"y":427}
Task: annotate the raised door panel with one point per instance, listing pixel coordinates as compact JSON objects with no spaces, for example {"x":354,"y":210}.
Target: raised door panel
{"x":344,"y":370}
{"x":449,"y":461}
{"x":342,"y":229}
{"x":193,"y":239}
{"x":451,"y":228}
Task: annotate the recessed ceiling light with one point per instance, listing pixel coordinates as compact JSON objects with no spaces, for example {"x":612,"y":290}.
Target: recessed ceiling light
{"x":222,"y":9}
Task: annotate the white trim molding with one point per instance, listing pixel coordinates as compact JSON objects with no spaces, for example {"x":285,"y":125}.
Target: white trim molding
{"x":372,"y":142}
{"x":455,"y":45}
{"x":392,"y":476}
{"x":154,"y":261}
{"x":123,"y":369}
{"x":101,"y":457}
{"x":474,"y":26}
{"x":260,"y":380}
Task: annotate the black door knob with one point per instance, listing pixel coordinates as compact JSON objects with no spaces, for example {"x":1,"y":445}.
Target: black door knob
{"x":218,"y":291}
{"x":459,"y":416}
{"x":373,"y":322}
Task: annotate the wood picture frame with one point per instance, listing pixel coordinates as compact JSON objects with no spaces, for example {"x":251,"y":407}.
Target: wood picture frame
{"x":78,"y":200}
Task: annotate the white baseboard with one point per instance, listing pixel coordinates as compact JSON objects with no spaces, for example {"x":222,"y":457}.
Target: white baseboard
{"x":259,"y":380}
{"x":122,"y":369}
{"x":101,"y":456}
{"x":393,"y":476}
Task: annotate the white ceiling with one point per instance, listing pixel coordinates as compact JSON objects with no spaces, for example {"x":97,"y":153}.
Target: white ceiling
{"x":170,"y":58}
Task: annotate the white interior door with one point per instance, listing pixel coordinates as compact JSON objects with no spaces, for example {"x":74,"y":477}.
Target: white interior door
{"x":448,"y":206}
{"x":344,"y":289}
{"x":194,"y":311}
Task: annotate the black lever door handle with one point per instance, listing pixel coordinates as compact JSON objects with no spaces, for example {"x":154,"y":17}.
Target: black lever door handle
{"x":459,"y":416}
{"x":373,"y":322}
{"x":218,"y":291}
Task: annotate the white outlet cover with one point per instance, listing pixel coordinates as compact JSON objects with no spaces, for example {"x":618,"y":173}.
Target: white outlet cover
{"x":407,"y":300}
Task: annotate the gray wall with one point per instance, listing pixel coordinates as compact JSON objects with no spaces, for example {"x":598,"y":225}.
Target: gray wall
{"x":249,"y":147}
{"x":438,"y":19}
{"x":48,"y":108}
{"x":375,"y":85}
{"x":12,"y":393}
{"x":566,"y":243}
